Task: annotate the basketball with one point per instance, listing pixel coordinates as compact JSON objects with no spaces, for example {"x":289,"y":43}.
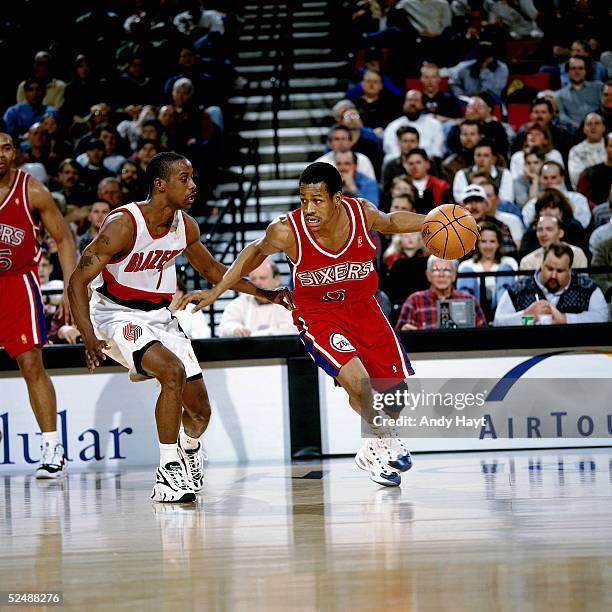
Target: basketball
{"x":449,"y":231}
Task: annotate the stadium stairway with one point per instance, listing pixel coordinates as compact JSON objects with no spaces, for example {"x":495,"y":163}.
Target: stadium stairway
{"x":316,"y":76}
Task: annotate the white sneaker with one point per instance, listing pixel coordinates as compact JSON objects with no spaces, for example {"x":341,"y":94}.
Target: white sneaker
{"x":395,"y":453}
{"x":370,"y":458}
{"x":193,"y":462}
{"x":52,"y":463}
{"x":171,"y":485}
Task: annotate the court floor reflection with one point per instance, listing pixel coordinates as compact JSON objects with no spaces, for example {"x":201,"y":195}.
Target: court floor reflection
{"x":528,"y":530}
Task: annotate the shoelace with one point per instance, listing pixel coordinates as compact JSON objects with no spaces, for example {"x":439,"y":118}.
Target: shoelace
{"x":175,"y":471}
{"x":194,"y":464}
{"x":49,"y":454}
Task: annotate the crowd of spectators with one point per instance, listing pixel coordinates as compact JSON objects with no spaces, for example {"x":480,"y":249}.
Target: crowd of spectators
{"x":502,"y":106}
{"x":91,"y":93}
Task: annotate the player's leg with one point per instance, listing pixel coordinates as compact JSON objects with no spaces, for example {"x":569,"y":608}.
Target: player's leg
{"x":355,"y":380}
{"x":44,"y":405}
{"x":157,"y":361}
{"x":195,"y":418}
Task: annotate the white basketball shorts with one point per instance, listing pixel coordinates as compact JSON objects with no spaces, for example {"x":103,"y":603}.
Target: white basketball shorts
{"x":127,"y":332}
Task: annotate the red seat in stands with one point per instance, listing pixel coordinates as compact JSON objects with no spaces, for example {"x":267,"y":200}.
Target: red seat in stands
{"x":518,"y":114}
{"x":416,"y":84}
{"x":538,"y":80}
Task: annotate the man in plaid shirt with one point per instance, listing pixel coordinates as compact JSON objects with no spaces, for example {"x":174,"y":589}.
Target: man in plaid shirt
{"x":419,"y":309}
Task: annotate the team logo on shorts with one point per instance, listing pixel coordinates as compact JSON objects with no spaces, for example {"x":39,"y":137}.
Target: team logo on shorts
{"x":340,"y":343}
{"x":132,"y":332}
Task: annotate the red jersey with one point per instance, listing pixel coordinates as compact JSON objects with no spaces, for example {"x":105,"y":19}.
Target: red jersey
{"x":324,"y":278}
{"x":19,"y":247}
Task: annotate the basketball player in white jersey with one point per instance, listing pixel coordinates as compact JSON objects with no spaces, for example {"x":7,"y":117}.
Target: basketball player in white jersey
{"x":128,"y":317}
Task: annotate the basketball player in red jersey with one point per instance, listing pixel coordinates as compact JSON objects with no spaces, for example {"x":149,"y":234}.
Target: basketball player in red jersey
{"x":135,"y":253}
{"x":24,"y":203}
{"x":340,"y":322}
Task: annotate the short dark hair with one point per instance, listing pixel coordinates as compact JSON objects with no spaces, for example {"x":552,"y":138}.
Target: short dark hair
{"x":559,"y":249}
{"x":407,"y":129}
{"x":34,"y":81}
{"x":420,"y":152}
{"x":160,"y":167}
{"x":537,"y":151}
{"x":349,"y":152}
{"x":322,"y":172}
{"x":547,"y":103}
{"x":487,"y":142}
{"x":470,"y":122}
{"x":69,"y":162}
{"x":338,"y":127}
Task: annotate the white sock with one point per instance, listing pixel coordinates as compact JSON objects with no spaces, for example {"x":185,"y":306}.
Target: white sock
{"x":187,"y":442}
{"x":50,"y":438}
{"x":167,"y":454}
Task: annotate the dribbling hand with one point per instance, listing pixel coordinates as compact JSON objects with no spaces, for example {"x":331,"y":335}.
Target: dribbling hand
{"x":281,"y":295}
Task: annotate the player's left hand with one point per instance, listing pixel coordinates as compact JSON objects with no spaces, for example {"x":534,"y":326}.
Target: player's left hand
{"x":281,"y":295}
{"x":64,"y":309}
{"x":203,"y":298}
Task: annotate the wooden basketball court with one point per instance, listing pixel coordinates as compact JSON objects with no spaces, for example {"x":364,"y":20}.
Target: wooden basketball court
{"x":529,"y":530}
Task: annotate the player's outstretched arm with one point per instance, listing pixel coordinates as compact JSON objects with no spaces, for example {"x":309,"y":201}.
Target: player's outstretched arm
{"x":401,"y":222}
{"x":113,"y":240}
{"x":276,"y":239}
{"x":42,"y":202}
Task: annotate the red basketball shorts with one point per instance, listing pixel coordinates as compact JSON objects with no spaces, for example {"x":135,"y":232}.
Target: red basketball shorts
{"x":22,"y":318}
{"x":334,"y":336}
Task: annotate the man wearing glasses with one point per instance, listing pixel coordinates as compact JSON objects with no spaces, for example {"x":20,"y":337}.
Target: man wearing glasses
{"x":420,"y":309}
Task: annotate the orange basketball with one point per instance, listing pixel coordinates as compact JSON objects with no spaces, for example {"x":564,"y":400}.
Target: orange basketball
{"x":449,"y":231}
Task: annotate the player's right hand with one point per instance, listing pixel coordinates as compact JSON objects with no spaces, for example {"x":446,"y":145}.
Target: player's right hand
{"x":93,"y":352}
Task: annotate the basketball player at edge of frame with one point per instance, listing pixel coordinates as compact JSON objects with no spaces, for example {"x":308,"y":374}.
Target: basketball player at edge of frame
{"x":338,"y":318}
{"x":128,"y":319}
{"x":24,"y":204}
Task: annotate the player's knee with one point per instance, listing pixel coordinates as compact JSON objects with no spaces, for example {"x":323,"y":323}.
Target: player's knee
{"x":360,"y":392}
{"x":31,"y":365}
{"x":173,"y":376}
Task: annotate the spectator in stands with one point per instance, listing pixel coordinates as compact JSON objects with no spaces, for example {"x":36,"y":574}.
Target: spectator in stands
{"x":35,"y":149}
{"x":339,"y":139}
{"x":194,"y":324}
{"x":552,"y":202}
{"x":78,"y":196}
{"x":131,"y":180}
{"x":486,"y":73}
{"x":506,"y":212}
{"x":549,"y":229}
{"x":96,"y":217}
{"x":165,"y":117}
{"x":443,"y":105}
{"x":109,"y":190}
{"x":145,"y":152}
{"x":408,"y":139}
{"x":92,"y":168}
{"x":84,"y":90}
{"x":581,"y":48}
{"x":602,"y":212}
{"x":480,"y":108}
{"x":99,"y":114}
{"x":54,"y":88}
{"x":131,"y":129}
{"x":404,"y":201}
{"x":487,"y":258}
{"x":591,"y":151}
{"x":469,"y":137}
{"x":51,"y":288}
{"x":474,"y":199}
{"x":376,"y":105}
{"x":517,"y":17}
{"x":362,"y":142}
{"x":527,"y":185}
{"x":553,"y":290}
{"x":419,"y":311}
{"x":485,"y":155}
{"x":59,"y":146}
{"x":536,"y":135}
{"x":602,"y":256}
{"x":605,"y":107}
{"x":355,"y":184}
{"x":602,"y":233}
{"x":373,"y":60}
{"x":542,"y":112}
{"x":135,"y":85}
{"x":552,"y":176}
{"x":431,"y":134}
{"x":403,"y":246}
{"x":21,"y":116}
{"x":431,"y":191}
{"x":249,"y":316}
{"x":580,"y":97}
{"x":112,"y":157}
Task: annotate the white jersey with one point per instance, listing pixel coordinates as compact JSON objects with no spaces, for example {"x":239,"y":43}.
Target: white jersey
{"x":145,"y":278}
